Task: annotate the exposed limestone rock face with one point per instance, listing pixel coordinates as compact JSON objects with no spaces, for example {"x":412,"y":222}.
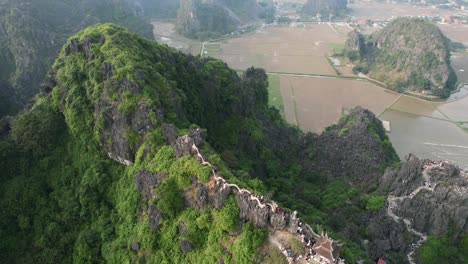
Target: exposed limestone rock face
{"x":183,"y":146}
{"x":404,"y":180}
{"x":170,"y":133}
{"x":49,"y":83}
{"x":387,"y":236}
{"x":279,"y":221}
{"x":135,"y":246}
{"x":182,"y":228}
{"x":146,"y":182}
{"x":220,"y":195}
{"x":154,"y":217}
{"x":196,"y":196}
{"x":353,"y":149}
{"x":433,"y":200}
{"x":198,"y":136}
{"x":121,"y":132}
{"x":249,"y":211}
{"x":441,"y":210}
{"x":186,"y":246}
{"x":119,"y":127}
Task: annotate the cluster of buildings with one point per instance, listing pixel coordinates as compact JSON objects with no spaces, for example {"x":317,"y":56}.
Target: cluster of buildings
{"x":454,"y":20}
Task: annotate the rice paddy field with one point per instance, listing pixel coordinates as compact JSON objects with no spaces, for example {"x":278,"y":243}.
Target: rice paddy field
{"x":283,"y":49}
{"x":460,"y":66}
{"x":458,"y":33}
{"x":315,"y":103}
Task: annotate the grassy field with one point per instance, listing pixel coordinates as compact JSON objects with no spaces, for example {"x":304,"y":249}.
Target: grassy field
{"x":274,"y":93}
{"x":337,"y":48}
{"x":213,"y":49}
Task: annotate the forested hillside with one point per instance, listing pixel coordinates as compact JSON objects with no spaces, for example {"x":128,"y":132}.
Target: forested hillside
{"x":105,"y":167}
{"x":325,"y":7}
{"x":27,"y":51}
{"x":408,"y":54}
{"x":208,"y":19}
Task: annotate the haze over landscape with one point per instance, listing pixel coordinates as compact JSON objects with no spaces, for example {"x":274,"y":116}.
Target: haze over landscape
{"x":234,"y":131}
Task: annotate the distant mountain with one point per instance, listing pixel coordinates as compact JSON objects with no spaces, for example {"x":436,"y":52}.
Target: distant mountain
{"x":205,"y":19}
{"x":408,"y":53}
{"x":155,"y":8}
{"x":33,"y":31}
{"x":325,"y":7}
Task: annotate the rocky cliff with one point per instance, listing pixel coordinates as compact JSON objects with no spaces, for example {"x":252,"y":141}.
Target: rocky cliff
{"x":425,"y":199}
{"x":357,"y":148}
{"x":400,"y":56}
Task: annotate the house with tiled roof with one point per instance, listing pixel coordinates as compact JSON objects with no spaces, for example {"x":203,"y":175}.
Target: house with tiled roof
{"x":327,"y":249}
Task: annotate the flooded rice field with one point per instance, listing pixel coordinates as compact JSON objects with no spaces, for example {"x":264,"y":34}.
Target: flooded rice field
{"x":427,"y":138}
{"x":460,"y":66}
{"x":430,"y":130}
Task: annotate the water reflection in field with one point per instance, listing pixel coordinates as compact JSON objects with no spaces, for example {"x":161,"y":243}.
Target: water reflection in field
{"x":428,"y":137}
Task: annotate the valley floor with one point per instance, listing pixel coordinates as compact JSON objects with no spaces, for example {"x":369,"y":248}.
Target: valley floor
{"x":312,"y":89}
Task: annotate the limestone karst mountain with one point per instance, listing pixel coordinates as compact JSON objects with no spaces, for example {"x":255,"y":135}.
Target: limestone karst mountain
{"x":135,"y":152}
{"x":402,"y":56}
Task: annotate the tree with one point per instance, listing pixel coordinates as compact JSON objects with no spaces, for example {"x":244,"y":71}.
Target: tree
{"x":170,"y":201}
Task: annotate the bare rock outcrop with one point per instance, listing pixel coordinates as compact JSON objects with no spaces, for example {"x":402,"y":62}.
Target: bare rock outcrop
{"x":146,"y":182}
{"x":220,"y":195}
{"x":183,"y":146}
{"x":186,"y":246}
{"x":196,"y":196}
{"x":154,"y":217}
{"x":250,"y":211}
{"x":356,"y":149}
